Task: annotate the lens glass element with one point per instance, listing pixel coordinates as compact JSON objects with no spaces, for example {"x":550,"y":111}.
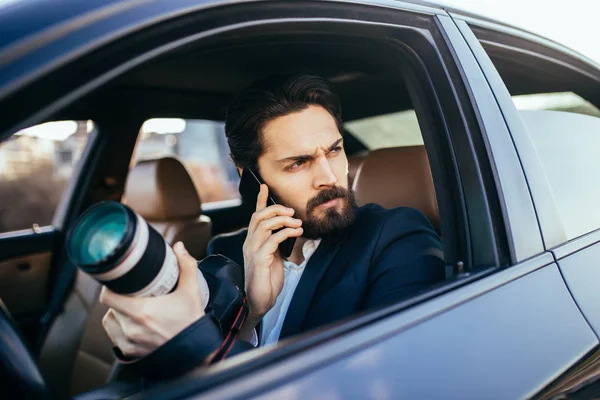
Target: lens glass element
{"x":98,"y":234}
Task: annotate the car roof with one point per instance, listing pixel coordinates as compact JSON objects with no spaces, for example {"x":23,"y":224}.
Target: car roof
{"x":29,"y":27}
{"x":36,"y":16}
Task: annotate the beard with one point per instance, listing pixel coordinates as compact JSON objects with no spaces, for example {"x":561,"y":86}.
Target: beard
{"x":334,"y":220}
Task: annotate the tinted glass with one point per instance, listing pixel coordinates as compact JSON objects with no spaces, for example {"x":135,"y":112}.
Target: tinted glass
{"x":568,"y":145}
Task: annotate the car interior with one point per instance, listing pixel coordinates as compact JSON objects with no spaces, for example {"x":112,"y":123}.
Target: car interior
{"x":197,"y":81}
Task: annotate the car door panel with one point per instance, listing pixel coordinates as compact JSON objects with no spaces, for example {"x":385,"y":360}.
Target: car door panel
{"x":25,"y":265}
{"x":507,"y":343}
{"x":506,"y":336}
{"x":24,"y":281}
{"x":582,"y":275}
{"x":25,"y":275}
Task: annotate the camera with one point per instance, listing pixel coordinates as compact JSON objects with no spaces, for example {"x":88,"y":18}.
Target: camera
{"x":119,"y":249}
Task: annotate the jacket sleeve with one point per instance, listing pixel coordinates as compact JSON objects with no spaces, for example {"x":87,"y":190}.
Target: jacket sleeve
{"x":408,"y":258}
{"x":185,"y":352}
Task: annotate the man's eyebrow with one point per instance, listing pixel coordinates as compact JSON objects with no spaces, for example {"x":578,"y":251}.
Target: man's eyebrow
{"x":308,"y":157}
{"x":336,"y":144}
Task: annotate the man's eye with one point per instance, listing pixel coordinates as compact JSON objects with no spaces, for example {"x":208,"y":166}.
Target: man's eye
{"x":295,"y":165}
{"x":336,"y":150}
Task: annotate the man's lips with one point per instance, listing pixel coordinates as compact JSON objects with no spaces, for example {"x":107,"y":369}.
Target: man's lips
{"x":329,"y":204}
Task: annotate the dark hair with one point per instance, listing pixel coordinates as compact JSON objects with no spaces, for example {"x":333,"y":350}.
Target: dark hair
{"x":269,"y":98}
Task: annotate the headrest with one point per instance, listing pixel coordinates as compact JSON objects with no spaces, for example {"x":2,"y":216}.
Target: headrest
{"x":162,"y":190}
{"x":395,"y":177}
{"x":354,"y":161}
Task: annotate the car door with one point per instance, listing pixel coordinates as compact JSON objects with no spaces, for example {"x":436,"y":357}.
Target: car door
{"x":555,"y":130}
{"x":507,"y":331}
{"x":493,"y":323}
{"x":42,"y":167}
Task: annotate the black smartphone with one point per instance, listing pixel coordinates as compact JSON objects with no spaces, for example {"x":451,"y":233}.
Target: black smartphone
{"x":249,"y":188}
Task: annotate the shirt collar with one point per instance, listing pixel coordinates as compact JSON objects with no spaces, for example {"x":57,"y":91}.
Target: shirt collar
{"x":308,"y":249}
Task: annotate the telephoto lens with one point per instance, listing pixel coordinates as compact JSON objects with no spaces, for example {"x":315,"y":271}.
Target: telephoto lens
{"x":119,"y":249}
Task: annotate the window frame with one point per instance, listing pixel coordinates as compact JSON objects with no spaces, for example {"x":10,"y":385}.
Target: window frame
{"x":301,"y":344}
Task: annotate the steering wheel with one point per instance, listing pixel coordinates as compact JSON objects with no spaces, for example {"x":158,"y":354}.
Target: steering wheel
{"x":19,"y":372}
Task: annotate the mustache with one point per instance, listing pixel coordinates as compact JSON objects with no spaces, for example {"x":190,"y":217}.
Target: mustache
{"x":326,"y":195}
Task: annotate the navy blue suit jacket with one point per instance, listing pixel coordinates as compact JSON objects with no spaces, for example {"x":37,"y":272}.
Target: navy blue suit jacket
{"x":384,"y":257}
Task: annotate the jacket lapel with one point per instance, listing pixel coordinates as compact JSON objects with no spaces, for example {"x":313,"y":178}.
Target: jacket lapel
{"x":313,"y":272}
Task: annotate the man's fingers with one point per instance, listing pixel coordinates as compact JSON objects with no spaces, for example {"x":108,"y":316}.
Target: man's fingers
{"x":261,"y":200}
{"x":266,"y":226}
{"x":128,"y":305}
{"x":113,"y":328}
{"x":279,"y":222}
{"x":124,"y":323}
{"x":272,"y":244}
{"x":188,"y":268}
{"x":269,"y":212}
{"x":132,"y":331}
{"x":110,"y":324}
{"x":126,"y":334}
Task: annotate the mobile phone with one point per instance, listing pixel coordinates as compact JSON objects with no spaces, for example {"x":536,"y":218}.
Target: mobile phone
{"x":249,"y":188}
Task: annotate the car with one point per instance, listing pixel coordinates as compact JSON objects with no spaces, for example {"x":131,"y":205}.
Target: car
{"x":491,"y":131}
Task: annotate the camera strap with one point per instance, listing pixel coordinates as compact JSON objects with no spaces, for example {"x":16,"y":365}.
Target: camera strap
{"x":233,"y":333}
{"x":215,"y":333}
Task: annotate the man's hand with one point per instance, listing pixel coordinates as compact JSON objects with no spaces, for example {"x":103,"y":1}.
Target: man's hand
{"x":263,"y":265}
{"x":138,"y":326}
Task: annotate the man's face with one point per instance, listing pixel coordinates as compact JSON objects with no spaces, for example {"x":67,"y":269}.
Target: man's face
{"x":305,"y":167}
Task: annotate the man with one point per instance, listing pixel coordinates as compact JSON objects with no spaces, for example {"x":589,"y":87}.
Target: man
{"x":345,"y":259}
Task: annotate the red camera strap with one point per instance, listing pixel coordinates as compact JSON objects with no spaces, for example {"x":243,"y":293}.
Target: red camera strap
{"x":233,"y":333}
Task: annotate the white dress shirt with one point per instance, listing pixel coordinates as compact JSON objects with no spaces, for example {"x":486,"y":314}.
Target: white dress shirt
{"x":272,"y":322}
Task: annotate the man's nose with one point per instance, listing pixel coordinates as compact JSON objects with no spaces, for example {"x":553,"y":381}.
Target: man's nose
{"x":325,"y":177}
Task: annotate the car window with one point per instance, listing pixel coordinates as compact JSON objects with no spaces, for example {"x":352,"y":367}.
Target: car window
{"x":35,"y":167}
{"x":202,"y":147}
{"x":397,"y":129}
{"x":565,"y":130}
{"x":555,"y":94}
{"x":568,"y":145}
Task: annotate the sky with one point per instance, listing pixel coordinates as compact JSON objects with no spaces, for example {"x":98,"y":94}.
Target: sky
{"x":573,"y":23}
